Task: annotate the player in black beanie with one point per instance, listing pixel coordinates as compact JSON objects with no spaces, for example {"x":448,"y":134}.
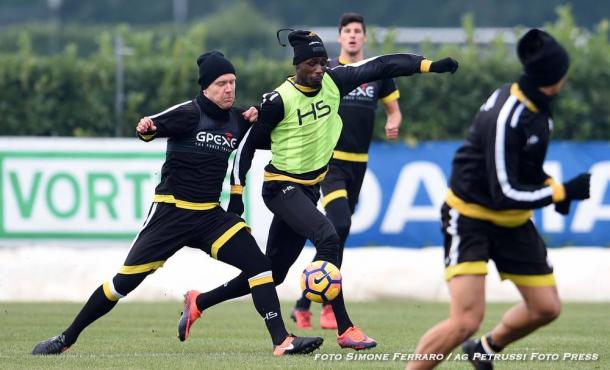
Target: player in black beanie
{"x":306,"y":45}
{"x":544,"y":60}
{"x":201,"y":135}
{"x":212,"y":65}
{"x":300,"y":119}
{"x":499,"y":171}
{"x":217,"y":80}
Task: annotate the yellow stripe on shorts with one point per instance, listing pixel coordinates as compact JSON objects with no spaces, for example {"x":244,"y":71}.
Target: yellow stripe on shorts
{"x":530,"y":280}
{"x":466,"y":268}
{"x":138,"y":269}
{"x":224,"y":238}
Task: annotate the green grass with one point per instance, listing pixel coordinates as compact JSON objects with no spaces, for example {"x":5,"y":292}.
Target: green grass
{"x":232,"y":336}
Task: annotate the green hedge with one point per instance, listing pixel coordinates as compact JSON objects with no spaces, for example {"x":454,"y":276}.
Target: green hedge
{"x":68,"y":94}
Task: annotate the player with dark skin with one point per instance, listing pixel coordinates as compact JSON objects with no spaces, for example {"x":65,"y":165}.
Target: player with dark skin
{"x":300,"y":120}
{"x":310,"y":73}
{"x":347,"y":168}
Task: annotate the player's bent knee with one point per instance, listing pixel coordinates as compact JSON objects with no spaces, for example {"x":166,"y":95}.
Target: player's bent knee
{"x":547,"y":313}
{"x":123,"y":284}
{"x":325,"y":236}
{"x":467,"y":326}
{"x":279,"y":276}
{"x":258,"y":264}
{"x":332,"y":238}
{"x":343,"y":226}
{"x":329,"y":244}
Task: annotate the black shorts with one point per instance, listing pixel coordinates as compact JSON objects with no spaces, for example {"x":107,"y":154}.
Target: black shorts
{"x":344,"y":179}
{"x":519,"y":252}
{"x":168,"y":228}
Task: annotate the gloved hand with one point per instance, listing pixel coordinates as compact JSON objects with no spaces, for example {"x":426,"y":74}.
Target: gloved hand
{"x":563,"y":207}
{"x":236,"y":204}
{"x":444,"y":65}
{"x":578,"y":187}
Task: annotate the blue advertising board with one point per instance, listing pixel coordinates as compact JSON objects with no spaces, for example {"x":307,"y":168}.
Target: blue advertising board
{"x":405,"y":187}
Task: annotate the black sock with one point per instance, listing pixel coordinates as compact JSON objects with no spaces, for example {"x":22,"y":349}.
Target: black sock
{"x":343,"y":321}
{"x":268,"y":306}
{"x":303,"y":304}
{"x":490,"y":342}
{"x":237,"y":287}
{"x":97,"y":306}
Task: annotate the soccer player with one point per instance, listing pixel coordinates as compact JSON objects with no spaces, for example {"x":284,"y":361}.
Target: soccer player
{"x":497,"y":180}
{"x":201,"y":133}
{"x":346,"y":169}
{"x":301,"y":123}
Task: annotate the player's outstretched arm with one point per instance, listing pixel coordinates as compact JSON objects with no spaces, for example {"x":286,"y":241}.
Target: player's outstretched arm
{"x":348,"y":77}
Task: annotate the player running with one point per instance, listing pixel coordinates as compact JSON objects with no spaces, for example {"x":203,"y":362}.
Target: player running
{"x":300,"y":120}
{"x":342,"y":184}
{"x":496,"y":181}
{"x":201,"y":134}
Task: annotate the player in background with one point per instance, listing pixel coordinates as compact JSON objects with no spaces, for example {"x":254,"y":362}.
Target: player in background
{"x":201,"y":133}
{"x":342,"y":184}
{"x":497,"y":180}
{"x":300,"y":120}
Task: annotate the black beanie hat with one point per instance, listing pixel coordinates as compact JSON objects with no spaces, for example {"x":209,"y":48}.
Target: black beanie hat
{"x":544,"y":60}
{"x":306,"y":45}
{"x":212,"y":65}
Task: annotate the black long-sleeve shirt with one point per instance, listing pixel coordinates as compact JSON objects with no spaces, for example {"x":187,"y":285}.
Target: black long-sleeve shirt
{"x":357,"y":111}
{"x":198,"y":149}
{"x":500,"y":165}
{"x":346,"y":78}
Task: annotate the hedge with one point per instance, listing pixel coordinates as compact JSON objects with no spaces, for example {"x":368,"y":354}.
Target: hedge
{"x":69,"y":94}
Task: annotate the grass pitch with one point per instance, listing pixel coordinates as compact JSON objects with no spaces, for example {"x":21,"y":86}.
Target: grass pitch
{"x":233,"y":336}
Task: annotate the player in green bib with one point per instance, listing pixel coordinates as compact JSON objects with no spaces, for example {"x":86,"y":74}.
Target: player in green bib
{"x":299,"y":121}
{"x":347,"y":168}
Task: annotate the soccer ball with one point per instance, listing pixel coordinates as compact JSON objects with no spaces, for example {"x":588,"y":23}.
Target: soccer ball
{"x":321,"y":281}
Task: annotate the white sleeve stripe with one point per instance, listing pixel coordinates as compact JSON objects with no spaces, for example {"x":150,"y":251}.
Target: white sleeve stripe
{"x":238,"y":158}
{"x":507,"y":189}
{"x":170,"y":109}
{"x":452,"y":230}
{"x":515,"y":120}
{"x":358,"y":64}
{"x":491,"y":102}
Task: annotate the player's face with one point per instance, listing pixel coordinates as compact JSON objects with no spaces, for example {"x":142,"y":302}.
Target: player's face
{"x":311,"y":71}
{"x":222,"y":91}
{"x":554,"y":89}
{"x":352,"y":38}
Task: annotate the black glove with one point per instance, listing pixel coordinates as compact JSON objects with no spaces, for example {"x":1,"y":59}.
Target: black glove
{"x":236,"y":204}
{"x":563,"y":207}
{"x":578,"y":187}
{"x":444,"y":65}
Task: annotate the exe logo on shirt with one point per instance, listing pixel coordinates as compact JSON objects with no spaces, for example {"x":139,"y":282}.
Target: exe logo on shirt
{"x":211,"y":140}
{"x":364,"y":91}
